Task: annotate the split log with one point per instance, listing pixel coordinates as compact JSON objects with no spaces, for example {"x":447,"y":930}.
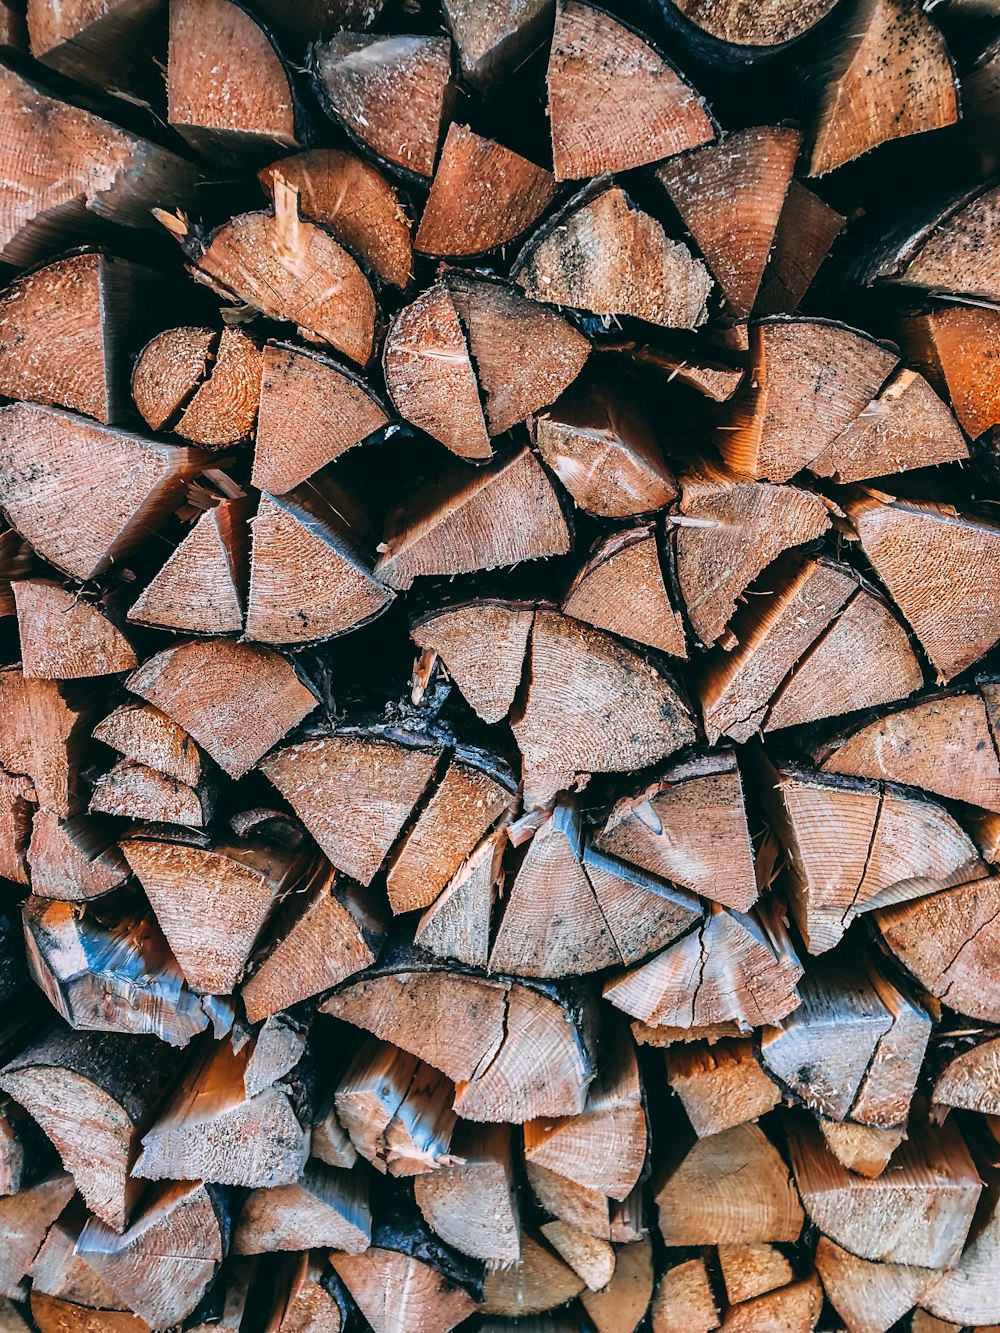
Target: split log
{"x":471,"y":1202}
{"x":312,"y":411}
{"x":74,"y":859}
{"x":110,"y":48}
{"x":148,"y":737}
{"x":806,"y":230}
{"x":64,"y":637}
{"x":225,"y":1303}
{"x":25,"y":1217}
{"x":274,"y":1051}
{"x":590,"y":1258}
{"x":620,"y":1307}
{"x":16,"y":1147}
{"x":539,"y":1281}
{"x":330,"y":1142}
{"x":971,"y":1080}
{"x":869,"y":1297}
{"x":42,"y":738}
{"x":16,"y":562}
{"x":614,"y":101}
{"x":66,"y":1293}
{"x":683,"y":1301}
{"x":84,"y":494}
{"x":795,"y":1307}
{"x":323,"y":1209}
{"x":730,"y":1189}
{"x":391,"y":94}
{"x":720,"y":1086}
{"x":133,"y":791}
{"x":622,"y":589}
{"x":235,"y":700}
{"x":732,"y":30}
{"x":749,"y":1271}
{"x":968,"y":1294}
{"x":482,"y":644}
{"x":952,"y":345}
{"x":864,"y":1149}
{"x":200,"y":384}
{"x":590,"y":1211}
{"x":308,"y":1297}
{"x":491,"y":41}
{"x":457,"y":924}
{"x":93,"y":1094}
{"x":16,"y":810}
{"x":606,"y":256}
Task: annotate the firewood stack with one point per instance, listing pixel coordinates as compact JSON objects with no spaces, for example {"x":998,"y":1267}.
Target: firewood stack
{"x":499,"y":602}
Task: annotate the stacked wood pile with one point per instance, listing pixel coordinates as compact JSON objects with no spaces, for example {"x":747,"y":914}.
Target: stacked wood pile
{"x":499,"y":604}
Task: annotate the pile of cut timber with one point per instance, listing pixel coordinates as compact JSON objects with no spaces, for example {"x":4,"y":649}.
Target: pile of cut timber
{"x":499,"y":666}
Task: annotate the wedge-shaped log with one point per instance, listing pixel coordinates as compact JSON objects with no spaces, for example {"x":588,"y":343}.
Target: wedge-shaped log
{"x":684,"y":1300}
{"x":951,"y":345}
{"x":539,"y":1281}
{"x":43,"y":736}
{"x":103,"y":47}
{"x":483,"y":645}
{"x":869,"y":1297}
{"x":133,"y":791}
{"x":806,"y":230}
{"x":971,"y":1080}
{"x":720,"y":1085}
{"x":200,"y":384}
{"x":146,"y":736}
{"x":324,"y":1209}
{"x":622,"y":589}
{"x":620,"y":1307}
{"x":471,"y":1203}
{"x":968,"y":1293}
{"x":457,"y":924}
{"x":751,"y":1270}
{"x":308,"y":1296}
{"x":65,"y":1290}
{"x":25,"y":1217}
{"x":797,"y":1306}
{"x":64,"y":637}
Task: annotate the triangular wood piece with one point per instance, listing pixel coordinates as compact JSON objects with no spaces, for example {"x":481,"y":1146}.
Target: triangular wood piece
{"x":721,"y":1085}
{"x":621,"y":589}
{"x":25,"y":1218}
{"x":614,"y":101}
{"x":953,"y":346}
{"x":869,"y":1297}
{"x":806,"y":230}
{"x":970,"y":1080}
{"x":730,"y":196}
{"x":539,"y":1279}
{"x":684,"y":1299}
{"x":751,"y":1270}
{"x":43,"y":724}
{"x":457,"y":923}
{"x":146,"y":736}
{"x":395,"y":1291}
{"x":492,"y":39}
{"x":64,"y":637}
{"x":76,"y":858}
{"x":472,"y":1203}
{"x":324,"y":1209}
{"x":864,"y":1149}
{"x":482,"y":645}
{"x":643,"y":913}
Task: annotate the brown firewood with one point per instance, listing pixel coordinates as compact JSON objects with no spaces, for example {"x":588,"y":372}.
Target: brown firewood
{"x":806,"y":230}
{"x":919,"y":1212}
{"x":513,"y":1051}
{"x":864,"y":1149}
{"x":590,"y":1258}
{"x":54,"y":142}
{"x":457,"y":924}
{"x":745,"y":28}
{"x":948,"y":941}
{"x":236,"y":700}
{"x":113,"y":976}
{"x":103,"y":47}
{"x":498,"y":515}
{"x":76,"y":858}
{"x":459,"y":218}
{"x":482,"y":644}
{"x":330,"y":1142}
{"x":604,"y":448}
{"x":730,"y":197}
{"x":16,"y":809}
{"x":922,"y":1322}
{"x":591,"y":705}
{"x":15,"y":1147}
{"x":354,"y":201}
{"x":312,"y":410}
{"x":308,"y":1297}
{"x":133,"y":791}
{"x":25,"y":1217}
{"x":792,"y":1309}
{"x":733,"y":967}
{"x":953,"y":345}
{"x":84,"y":494}
{"x":288,"y":269}
{"x":92,"y":1094}
{"x":201,"y":384}
{"x":869,"y":1297}
{"x":971,"y":1079}
{"x":539,"y":1281}
{"x":604,"y":255}
{"x":622,"y":589}
{"x":163,"y":1264}
{"x":42,"y":736}
{"x":191,"y":889}
{"x":731,"y":1188}
{"x":738,"y":527}
{"x":490,"y":40}
{"x":854,"y":846}
{"x":916,"y":90}
{"x":16,"y":562}
{"x":943,"y":744}
{"x":146,"y":736}
{"x":935,"y":563}
{"x":714,"y":379}
{"x":690,"y":826}
{"x":683,"y":1302}
{"x":398,"y":1293}
{"x":985,"y":829}
{"x":620,"y":1222}
{"x":752,"y":1270}
{"x":274,"y":1051}
{"x":968,"y":1294}
{"x":68,"y":329}
{"x":228,"y":92}
{"x":471,"y":1202}
{"x":721,"y":1085}
{"x":225,"y":1304}
{"x":64,"y":637}
{"x":810,"y":379}
{"x":614,"y":101}
{"x":390,"y":93}
{"x":619,"y":1308}
{"x":323,"y":1209}
{"x":67,"y":1296}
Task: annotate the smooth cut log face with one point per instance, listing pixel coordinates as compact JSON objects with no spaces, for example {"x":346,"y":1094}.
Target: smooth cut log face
{"x":168,"y":370}
{"x":953,"y":345}
{"x":919,"y":1213}
{"x":720,"y":1086}
{"x":864,"y":1149}
{"x":498,"y":516}
{"x":84,"y":494}
{"x":201,"y":384}
{"x":235,"y":700}
{"x":395,"y":1291}
{"x":620,"y":1306}
{"x":389,"y":93}
{"x":622,"y":589}
{"x":971,"y":1080}
{"x":684,"y":1300}
{"x":592,"y":705}
{"x":227,"y":90}
{"x":614,"y":101}
{"x":354,"y":201}
{"x":730,"y":1188}
{"x":916,"y":90}
{"x":730,"y":197}
{"x":312,"y":410}
{"x":609,"y":258}
{"x":324,"y":1209}
{"x":483,"y":645}
{"x":471,"y":1203}
{"x":459,"y":218}
{"x":869,"y":1297}
{"x":63,"y":637}
{"x":146,"y":736}
{"x":540,"y":1281}
{"x":25,"y":1217}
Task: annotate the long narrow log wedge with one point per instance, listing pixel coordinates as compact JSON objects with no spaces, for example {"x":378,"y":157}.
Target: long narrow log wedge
{"x":936,"y":564}
{"x":968,"y":1293}
{"x":84,"y":494}
{"x":731,"y":1188}
{"x":971,"y":1080}
{"x":806,"y":230}
{"x":622,"y":589}
{"x":751,"y":1270}
{"x":809,"y":380}
{"x":501,"y":515}
{"x":389,"y":93}
{"x":916,"y":90}
{"x":228,"y":92}
{"x":236,"y":700}
{"x":952,"y":345}
{"x":64,"y":637}
{"x":146,"y":736}
{"x":608,"y":257}
{"x":720,"y":1086}
{"x":869,"y":1297}
{"x":513,"y":1052}
{"x":162,"y":1265}
{"x":740,"y":527}
{"x":919,"y":1212}
{"x":17,"y":809}
{"x":354,"y":201}
{"x":457,"y":924}
{"x":25,"y":1217}
{"x":676,"y":827}
{"x":312,"y":410}
{"x":590,"y":1258}
{"x":684,"y":1300}
{"x":58,"y":143}
{"x":397,"y":1292}
{"x":324,"y":1209}
{"x":92,"y":1094}
{"x":946,"y":252}
{"x":730,"y":197}
{"x":471,"y":1203}
{"x":620,"y":1307}
{"x":192,"y":888}
{"x":592,"y":705}
{"x":614,"y":101}
{"x":483,"y":645}
{"x":643,"y":913}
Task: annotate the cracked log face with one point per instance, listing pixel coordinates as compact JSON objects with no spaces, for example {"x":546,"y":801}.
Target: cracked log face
{"x":499,"y":666}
